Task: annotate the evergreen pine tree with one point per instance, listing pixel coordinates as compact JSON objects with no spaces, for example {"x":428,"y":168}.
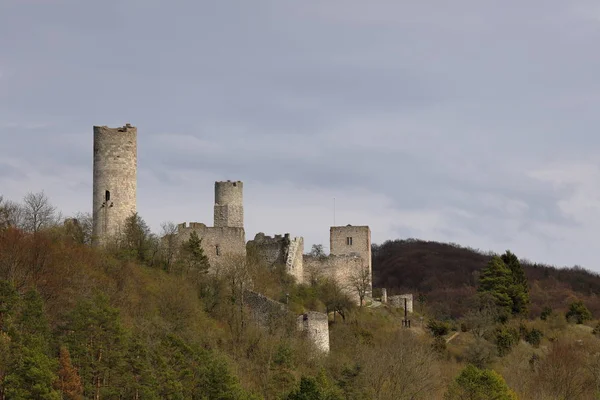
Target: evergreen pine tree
{"x":9,"y":299}
{"x":97,"y":343}
{"x":31,"y":369}
{"x":496,"y":280}
{"x":192,"y":255}
{"x":519,"y":289}
{"x":141,"y":381}
{"x":31,"y":375}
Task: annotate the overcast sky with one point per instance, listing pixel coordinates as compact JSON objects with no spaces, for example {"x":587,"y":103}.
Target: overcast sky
{"x":474,"y":122}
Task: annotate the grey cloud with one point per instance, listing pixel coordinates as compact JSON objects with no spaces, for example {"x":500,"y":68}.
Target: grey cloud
{"x":436,"y":106}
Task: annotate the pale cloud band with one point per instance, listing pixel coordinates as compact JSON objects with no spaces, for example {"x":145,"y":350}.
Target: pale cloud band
{"x":469,"y":122}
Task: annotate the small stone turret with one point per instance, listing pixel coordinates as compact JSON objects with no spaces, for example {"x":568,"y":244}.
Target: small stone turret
{"x":115,"y":180}
{"x":229,"y":204}
{"x":315,"y":326}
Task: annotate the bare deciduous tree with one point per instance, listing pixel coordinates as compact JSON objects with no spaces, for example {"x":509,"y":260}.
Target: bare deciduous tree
{"x":401,"y":367}
{"x":168,"y":244}
{"x":360,"y":282}
{"x":38,"y":213}
{"x":10,"y":214}
{"x":79,"y":228}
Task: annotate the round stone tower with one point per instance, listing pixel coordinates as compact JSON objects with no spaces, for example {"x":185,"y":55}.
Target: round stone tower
{"x":115,"y":179}
{"x":229,"y":204}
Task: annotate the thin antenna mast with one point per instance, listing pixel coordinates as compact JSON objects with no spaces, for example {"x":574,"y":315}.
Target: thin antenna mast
{"x":334,"y":211}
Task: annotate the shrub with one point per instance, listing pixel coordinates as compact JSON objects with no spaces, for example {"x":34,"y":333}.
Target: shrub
{"x":546,"y":312}
{"x":534,"y":337}
{"x":578,"y":312}
{"x":438,"y":328}
{"x":506,"y":338}
{"x":481,"y":384}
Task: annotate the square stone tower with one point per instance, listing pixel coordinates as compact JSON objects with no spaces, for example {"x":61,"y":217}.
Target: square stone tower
{"x":348,"y":240}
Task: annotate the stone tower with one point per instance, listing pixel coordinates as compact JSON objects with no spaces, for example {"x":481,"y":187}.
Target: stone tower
{"x":352,"y":240}
{"x":229,"y":204}
{"x":115,"y":179}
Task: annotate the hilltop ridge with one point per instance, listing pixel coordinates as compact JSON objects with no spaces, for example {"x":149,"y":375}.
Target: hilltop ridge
{"x":446,"y":274}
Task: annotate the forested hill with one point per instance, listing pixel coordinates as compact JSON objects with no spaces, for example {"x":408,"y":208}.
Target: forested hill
{"x":447,"y":274}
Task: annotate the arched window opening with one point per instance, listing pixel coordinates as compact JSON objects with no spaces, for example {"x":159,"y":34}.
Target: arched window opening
{"x":107,"y":196}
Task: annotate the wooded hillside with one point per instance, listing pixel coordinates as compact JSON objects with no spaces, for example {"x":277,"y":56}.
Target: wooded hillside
{"x":446,"y":274}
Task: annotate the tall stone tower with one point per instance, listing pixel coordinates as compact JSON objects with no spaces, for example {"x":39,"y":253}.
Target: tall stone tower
{"x":352,"y":240}
{"x":115,"y":179}
{"x":229,"y":204}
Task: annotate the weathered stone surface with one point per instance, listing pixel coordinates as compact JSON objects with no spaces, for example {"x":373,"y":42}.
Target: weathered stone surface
{"x":229,"y":204}
{"x":398,"y":301}
{"x":115,"y":180}
{"x":315,"y":326}
{"x":271,"y":314}
{"x":217,"y":242}
{"x":265,"y":311}
{"x":360,"y":238}
{"x":350,"y":251}
{"x":279,"y":250}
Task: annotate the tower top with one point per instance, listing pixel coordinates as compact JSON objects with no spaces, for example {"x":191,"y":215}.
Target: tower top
{"x":125,"y":128}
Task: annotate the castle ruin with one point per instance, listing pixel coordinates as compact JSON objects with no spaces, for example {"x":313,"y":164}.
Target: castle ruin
{"x":279,"y":251}
{"x":114,"y":200}
{"x":227,"y":237}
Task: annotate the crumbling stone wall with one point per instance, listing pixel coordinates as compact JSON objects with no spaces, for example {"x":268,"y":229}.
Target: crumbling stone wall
{"x":398,"y":301}
{"x":217,"y":242}
{"x":115,"y":180}
{"x":266,"y":312}
{"x":294,"y":262}
{"x":315,"y":326}
{"x":279,"y":250}
{"x":272,"y":314}
{"x":270,"y":250}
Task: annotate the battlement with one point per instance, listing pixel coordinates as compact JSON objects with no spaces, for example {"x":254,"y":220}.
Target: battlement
{"x":103,"y":129}
{"x":191,"y":225}
{"x":229,"y":183}
{"x":261,"y":238}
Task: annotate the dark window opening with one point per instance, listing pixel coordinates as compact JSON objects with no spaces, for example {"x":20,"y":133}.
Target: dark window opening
{"x":217,"y":249}
{"x":107,"y":195}
{"x":349,"y":241}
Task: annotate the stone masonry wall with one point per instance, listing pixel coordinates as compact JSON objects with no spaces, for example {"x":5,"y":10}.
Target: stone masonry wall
{"x":340,"y":268}
{"x":398,"y":301}
{"x":270,"y":250}
{"x":265,"y":311}
{"x":279,"y":250}
{"x":217,"y":242}
{"x":115,"y":180}
{"x":271,"y":314}
{"x":295,"y":259}
{"x":229,"y":204}
{"x":315,"y":326}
